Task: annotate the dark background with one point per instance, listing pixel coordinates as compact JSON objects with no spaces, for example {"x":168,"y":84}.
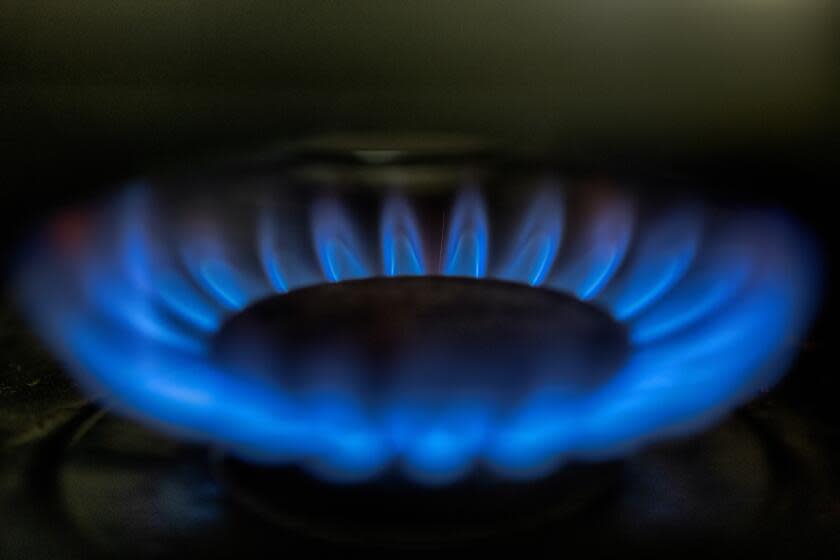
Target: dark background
{"x":744,"y":91}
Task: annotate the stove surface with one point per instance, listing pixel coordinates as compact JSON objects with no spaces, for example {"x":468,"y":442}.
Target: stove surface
{"x":76,"y":481}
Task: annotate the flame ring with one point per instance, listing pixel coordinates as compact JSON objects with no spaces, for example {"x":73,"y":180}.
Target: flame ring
{"x":713,"y":317}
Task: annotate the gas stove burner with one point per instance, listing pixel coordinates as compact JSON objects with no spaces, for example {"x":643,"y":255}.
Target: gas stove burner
{"x":280,"y":326}
{"x":444,"y":343}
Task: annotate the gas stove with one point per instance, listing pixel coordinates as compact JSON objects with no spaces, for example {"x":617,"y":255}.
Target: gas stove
{"x":319,"y":354}
{"x":307,"y":277}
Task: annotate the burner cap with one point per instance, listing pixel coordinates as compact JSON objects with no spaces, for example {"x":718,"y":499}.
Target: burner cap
{"x":429,"y":337}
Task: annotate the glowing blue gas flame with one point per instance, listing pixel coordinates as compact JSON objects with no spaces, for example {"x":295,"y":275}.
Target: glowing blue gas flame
{"x":402,"y":250}
{"x":282,"y":262}
{"x":663,"y":255}
{"x":211,"y":265}
{"x":714,"y":307}
{"x":337,"y":243}
{"x":467,"y":238}
{"x":536,"y":244}
{"x":600,"y":250}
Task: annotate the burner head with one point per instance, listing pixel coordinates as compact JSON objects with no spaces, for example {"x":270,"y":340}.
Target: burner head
{"x":437,"y":338}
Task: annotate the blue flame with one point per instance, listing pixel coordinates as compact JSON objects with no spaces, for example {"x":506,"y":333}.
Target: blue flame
{"x":706,"y":288}
{"x":230,"y":284}
{"x":270,"y":254}
{"x":600,"y":251}
{"x":336,"y":242}
{"x":438,"y":446}
{"x":283,"y":265}
{"x":467,"y":238}
{"x":663,"y":255}
{"x":402,"y":249}
{"x":713,"y":318}
{"x":535,"y":246}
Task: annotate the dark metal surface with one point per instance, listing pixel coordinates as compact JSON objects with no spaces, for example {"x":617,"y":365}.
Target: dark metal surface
{"x":98,"y":486}
{"x":35,"y":395}
{"x":451,"y":336}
